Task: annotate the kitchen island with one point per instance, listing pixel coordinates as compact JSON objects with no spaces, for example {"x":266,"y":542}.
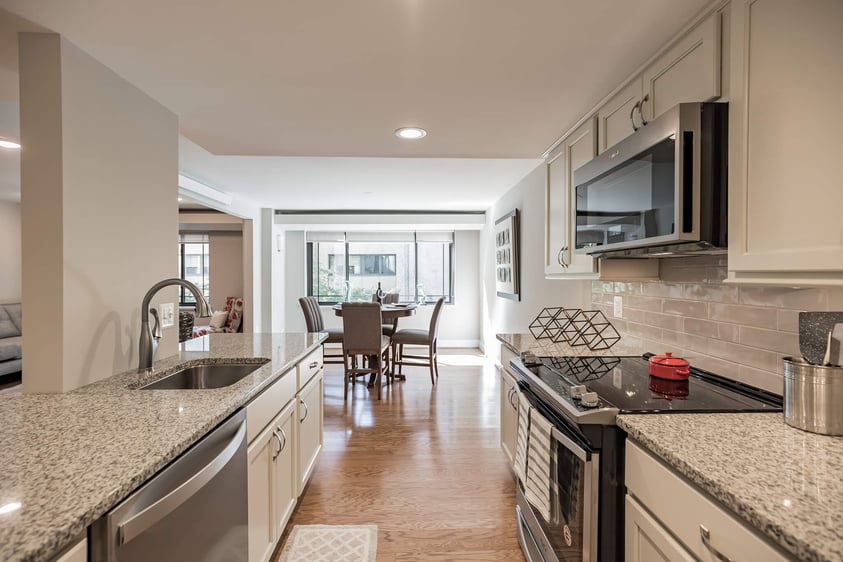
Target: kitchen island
{"x":68,"y":458}
{"x":781,"y":482}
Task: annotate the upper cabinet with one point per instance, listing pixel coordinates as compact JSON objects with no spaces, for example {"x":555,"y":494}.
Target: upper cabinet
{"x":688,"y":71}
{"x":785,"y":168}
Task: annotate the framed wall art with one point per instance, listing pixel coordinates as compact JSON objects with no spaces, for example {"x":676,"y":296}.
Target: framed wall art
{"x":506,"y":256}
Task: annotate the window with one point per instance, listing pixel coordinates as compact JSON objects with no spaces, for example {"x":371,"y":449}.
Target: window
{"x":350,"y":265}
{"x":194,"y":266}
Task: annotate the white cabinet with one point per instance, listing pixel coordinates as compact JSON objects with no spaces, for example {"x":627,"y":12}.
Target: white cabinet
{"x":76,"y":553}
{"x":575,"y":150}
{"x":508,"y":407}
{"x":284,"y":425}
{"x":309,"y":428}
{"x":509,"y":415}
{"x":689,"y":70}
{"x":272,"y":484}
{"x":785,"y":169}
{"x":647,"y":540}
{"x":672,"y":520}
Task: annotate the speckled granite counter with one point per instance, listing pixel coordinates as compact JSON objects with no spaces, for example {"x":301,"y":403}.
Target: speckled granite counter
{"x":68,"y":458}
{"x":785,"y":482}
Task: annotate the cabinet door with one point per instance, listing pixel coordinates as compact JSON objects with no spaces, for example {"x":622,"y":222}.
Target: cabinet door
{"x":76,"y":553}
{"x":785,"y":169}
{"x":509,"y":415}
{"x":580,"y":147}
{"x":309,"y":428}
{"x":615,"y":118}
{"x":556,"y":213}
{"x":285,"y":486}
{"x":689,"y":71}
{"x":646,"y":540}
{"x":260,"y":476}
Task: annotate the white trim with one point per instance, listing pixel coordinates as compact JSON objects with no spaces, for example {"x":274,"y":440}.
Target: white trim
{"x":192,"y":188}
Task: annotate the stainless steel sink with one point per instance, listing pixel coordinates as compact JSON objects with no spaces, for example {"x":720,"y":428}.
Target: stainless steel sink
{"x":215,"y":375}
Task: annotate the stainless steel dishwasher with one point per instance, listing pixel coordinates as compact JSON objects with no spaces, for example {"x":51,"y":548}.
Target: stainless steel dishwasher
{"x":193,"y":510}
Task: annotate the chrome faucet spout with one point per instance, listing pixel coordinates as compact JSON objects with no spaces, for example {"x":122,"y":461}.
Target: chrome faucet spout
{"x":148,"y":341}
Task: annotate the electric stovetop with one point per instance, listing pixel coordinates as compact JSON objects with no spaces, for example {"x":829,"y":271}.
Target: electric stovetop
{"x":625,"y":383}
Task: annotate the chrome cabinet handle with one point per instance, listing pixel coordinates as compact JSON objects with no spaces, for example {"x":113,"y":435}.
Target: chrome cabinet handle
{"x":632,"y":115}
{"x":305,"y":411}
{"x":512,"y":401}
{"x":313,"y":365}
{"x":560,"y":257}
{"x":644,"y":100}
{"x":705,"y":535}
{"x":284,"y":435}
{"x":280,"y":445}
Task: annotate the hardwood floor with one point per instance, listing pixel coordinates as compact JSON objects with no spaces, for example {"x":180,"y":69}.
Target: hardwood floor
{"x":424,"y":464}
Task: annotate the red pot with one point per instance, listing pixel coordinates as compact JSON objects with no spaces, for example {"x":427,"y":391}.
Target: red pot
{"x":668,"y":367}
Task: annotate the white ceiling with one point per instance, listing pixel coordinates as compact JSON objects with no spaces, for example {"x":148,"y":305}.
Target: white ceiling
{"x":295,"y":101}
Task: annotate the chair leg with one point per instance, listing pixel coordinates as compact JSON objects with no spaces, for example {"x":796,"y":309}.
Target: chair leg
{"x":401,"y":360}
{"x":430,"y":358}
{"x":345,"y":375}
{"x":436,"y":358}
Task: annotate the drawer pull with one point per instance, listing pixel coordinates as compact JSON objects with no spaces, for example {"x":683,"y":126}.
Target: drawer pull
{"x":305,"y":410}
{"x":280,"y":445}
{"x":705,"y":535}
{"x":313,"y":365}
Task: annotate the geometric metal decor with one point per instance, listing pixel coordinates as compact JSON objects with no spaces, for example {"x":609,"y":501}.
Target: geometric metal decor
{"x":576,"y":327}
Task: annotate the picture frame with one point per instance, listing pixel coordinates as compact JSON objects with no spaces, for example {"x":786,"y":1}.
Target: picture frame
{"x":506,"y":256}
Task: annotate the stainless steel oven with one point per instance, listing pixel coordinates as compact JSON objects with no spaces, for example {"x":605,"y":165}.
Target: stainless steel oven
{"x":581,"y":398}
{"x":570,"y":532}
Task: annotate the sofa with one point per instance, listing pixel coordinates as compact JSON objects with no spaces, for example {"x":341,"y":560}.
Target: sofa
{"x":10,"y":338}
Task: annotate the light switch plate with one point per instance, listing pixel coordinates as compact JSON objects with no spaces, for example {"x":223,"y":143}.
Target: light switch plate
{"x":168,"y":314}
{"x":618,"y":312}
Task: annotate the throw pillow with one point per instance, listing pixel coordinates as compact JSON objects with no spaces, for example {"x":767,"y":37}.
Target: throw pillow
{"x":218,"y":320}
{"x":235,"y":315}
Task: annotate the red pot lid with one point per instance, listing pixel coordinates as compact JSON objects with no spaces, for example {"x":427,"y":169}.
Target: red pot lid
{"x":668,"y":360}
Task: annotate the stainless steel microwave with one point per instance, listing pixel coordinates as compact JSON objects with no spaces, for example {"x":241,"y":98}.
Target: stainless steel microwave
{"x":662,"y":191}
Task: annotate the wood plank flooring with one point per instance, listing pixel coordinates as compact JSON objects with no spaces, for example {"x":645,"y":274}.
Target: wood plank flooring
{"x":424,"y":464}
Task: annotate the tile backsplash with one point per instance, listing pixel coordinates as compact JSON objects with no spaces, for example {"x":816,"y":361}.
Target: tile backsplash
{"x":741,"y":332}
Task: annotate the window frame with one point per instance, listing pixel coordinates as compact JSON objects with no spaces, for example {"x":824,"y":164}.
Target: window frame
{"x":451,"y":268}
{"x":183,"y":292}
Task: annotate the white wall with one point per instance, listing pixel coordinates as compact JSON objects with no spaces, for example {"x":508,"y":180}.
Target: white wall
{"x":10,"y":252}
{"x":459,"y":323}
{"x":506,"y":316}
{"x":99,"y":221}
{"x":226,"y":274}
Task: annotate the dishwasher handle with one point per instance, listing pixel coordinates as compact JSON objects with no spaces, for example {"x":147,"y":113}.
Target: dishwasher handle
{"x":137,"y":524}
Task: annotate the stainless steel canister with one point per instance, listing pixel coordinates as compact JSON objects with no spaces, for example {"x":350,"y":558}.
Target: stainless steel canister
{"x":813,"y":396}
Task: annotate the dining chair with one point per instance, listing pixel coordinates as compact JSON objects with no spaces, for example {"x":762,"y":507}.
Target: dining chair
{"x":361,"y":322}
{"x":390,"y":328}
{"x":313,"y":319}
{"x":418,"y":337}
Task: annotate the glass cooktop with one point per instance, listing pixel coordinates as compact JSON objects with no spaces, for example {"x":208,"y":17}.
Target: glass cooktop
{"x":625,"y":383}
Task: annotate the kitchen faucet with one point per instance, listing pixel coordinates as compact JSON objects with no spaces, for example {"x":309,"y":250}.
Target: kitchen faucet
{"x":148,"y":339}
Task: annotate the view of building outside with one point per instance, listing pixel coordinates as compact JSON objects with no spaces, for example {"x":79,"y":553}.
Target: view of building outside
{"x":194,"y":266}
{"x":362,"y":265}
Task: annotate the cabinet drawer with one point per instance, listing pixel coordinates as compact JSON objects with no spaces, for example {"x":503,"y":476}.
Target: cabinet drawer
{"x":309,"y":366}
{"x":684,"y":510}
{"x":266,"y":406}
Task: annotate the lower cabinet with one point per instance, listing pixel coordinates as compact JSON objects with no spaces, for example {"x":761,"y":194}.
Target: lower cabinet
{"x":646,"y":540}
{"x":272,"y":484}
{"x":668,"y":518}
{"x":284,"y":424}
{"x":509,"y":415}
{"x":76,"y":553}
{"x":309,"y":428}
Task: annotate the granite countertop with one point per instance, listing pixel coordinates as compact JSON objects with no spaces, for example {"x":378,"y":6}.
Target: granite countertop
{"x":783,"y":481}
{"x":68,"y":458}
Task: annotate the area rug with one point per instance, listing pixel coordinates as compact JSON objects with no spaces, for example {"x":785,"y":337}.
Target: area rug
{"x":331,"y":543}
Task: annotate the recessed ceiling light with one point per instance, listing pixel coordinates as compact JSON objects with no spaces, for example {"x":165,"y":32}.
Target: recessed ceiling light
{"x":8,"y":144}
{"x":410,"y":133}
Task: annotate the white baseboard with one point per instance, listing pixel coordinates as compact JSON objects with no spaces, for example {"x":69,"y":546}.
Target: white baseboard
{"x":471,"y":344}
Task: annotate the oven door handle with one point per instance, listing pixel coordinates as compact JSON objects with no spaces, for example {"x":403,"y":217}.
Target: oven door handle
{"x":569,"y":444}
